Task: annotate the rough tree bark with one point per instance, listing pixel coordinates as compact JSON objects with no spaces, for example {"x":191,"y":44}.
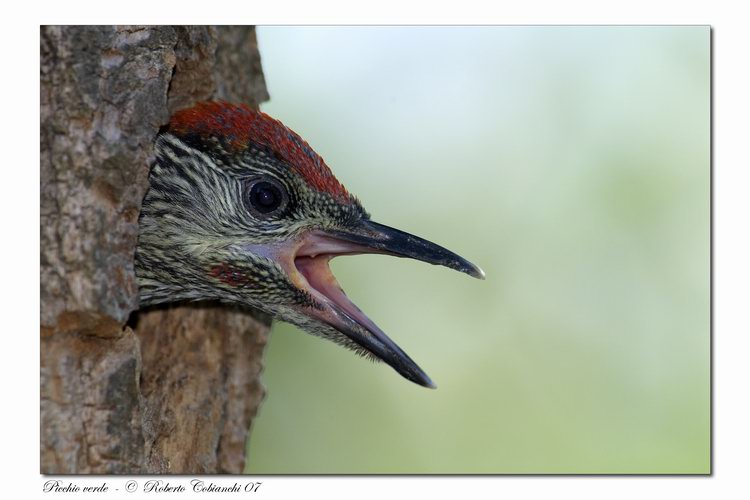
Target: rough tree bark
{"x":175,"y":389}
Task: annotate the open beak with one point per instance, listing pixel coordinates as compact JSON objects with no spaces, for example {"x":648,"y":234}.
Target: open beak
{"x":308,"y":268}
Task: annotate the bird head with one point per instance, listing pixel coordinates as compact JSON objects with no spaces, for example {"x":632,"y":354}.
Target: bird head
{"x":240,"y":209}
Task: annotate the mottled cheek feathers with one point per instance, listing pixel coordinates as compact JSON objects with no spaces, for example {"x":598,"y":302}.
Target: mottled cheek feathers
{"x":242,"y":210}
{"x":230,"y":275}
{"x":237,"y":128}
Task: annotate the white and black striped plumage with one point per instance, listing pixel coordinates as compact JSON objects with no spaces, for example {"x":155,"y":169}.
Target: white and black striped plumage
{"x":241,"y":210}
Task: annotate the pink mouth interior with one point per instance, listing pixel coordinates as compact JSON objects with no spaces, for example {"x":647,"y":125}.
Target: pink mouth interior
{"x":312,"y":261}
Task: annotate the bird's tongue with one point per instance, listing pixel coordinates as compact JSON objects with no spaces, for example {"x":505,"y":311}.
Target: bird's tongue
{"x":311,"y":258}
{"x":320,"y":278}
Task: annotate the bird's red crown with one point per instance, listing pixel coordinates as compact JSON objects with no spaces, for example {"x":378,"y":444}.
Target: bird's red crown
{"x":240,"y":126}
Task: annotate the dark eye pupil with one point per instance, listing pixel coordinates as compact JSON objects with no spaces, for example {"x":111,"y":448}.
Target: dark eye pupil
{"x":265,"y":197}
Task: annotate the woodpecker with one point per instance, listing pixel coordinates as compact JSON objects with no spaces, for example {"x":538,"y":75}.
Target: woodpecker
{"x":240,"y":209}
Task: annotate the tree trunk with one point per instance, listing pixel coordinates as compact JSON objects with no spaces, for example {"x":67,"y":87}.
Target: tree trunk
{"x":175,"y":389}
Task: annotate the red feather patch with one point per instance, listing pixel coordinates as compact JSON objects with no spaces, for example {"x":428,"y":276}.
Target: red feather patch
{"x":239,"y":126}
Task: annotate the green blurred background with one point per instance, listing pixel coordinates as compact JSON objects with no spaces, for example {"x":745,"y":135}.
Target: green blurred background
{"x":572,"y":165}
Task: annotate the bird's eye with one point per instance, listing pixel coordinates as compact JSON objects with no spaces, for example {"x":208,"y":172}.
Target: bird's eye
{"x":266,"y":197}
